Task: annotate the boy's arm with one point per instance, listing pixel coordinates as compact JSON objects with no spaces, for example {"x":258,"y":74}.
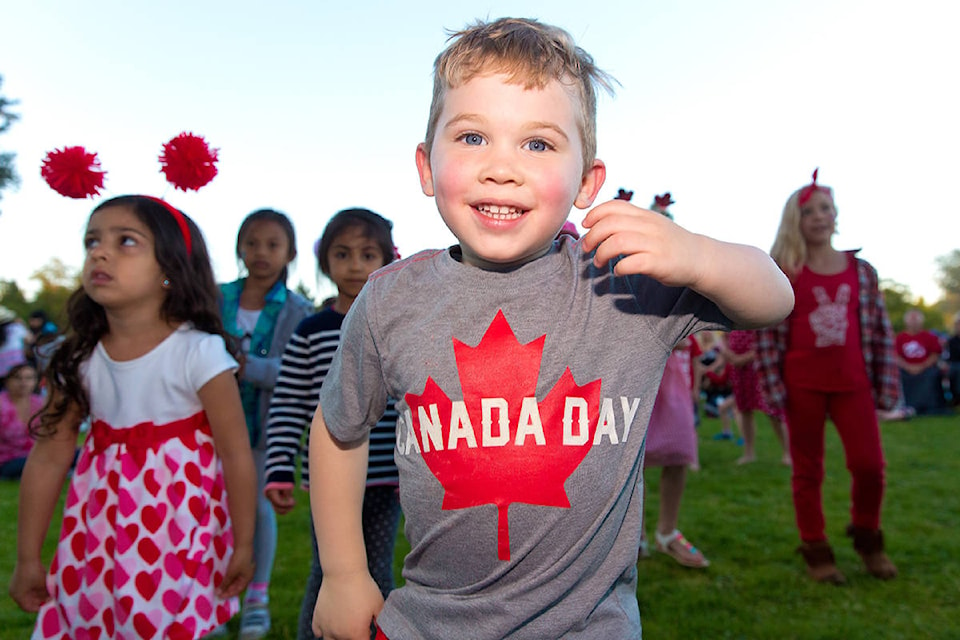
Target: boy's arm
{"x":349,"y":600}
{"x":40,"y":486}
{"x":741,"y":280}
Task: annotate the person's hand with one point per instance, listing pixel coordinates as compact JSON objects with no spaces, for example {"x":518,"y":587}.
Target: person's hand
{"x":347,"y":606}
{"x":650,"y":243}
{"x":28,"y":586}
{"x":239,"y":573}
{"x":281,"y":499}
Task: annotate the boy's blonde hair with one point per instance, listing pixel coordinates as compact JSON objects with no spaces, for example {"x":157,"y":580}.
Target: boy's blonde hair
{"x":789,"y":249}
{"x":529,"y":53}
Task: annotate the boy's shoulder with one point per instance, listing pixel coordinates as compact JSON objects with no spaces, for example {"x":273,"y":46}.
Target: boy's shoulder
{"x":416,"y":261}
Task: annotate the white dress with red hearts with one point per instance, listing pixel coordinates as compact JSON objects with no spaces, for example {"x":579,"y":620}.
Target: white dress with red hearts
{"x":146,"y":534}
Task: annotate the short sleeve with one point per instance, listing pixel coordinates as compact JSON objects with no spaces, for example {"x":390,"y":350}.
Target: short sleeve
{"x":207,"y":358}
{"x":354,"y":396}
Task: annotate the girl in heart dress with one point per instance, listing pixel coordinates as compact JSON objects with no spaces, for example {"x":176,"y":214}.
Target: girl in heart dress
{"x":157,"y":532}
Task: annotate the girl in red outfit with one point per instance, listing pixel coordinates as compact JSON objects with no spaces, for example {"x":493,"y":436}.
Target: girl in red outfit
{"x":832,"y":357}
{"x":739,"y":348}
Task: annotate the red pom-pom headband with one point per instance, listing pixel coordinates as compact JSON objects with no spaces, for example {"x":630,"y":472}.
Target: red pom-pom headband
{"x":663,"y":201}
{"x":807,"y":192}
{"x":187,"y":162}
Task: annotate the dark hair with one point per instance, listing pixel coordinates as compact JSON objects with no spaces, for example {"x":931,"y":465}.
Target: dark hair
{"x":270,"y":215}
{"x":17,"y":368}
{"x":192,"y":297}
{"x":39,"y":314}
{"x":372,"y":225}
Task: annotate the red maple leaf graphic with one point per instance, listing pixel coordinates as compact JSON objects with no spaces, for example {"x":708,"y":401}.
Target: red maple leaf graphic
{"x":499,"y":445}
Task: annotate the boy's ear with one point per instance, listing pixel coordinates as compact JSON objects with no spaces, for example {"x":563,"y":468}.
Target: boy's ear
{"x":593,"y":179}
{"x":423,"y":168}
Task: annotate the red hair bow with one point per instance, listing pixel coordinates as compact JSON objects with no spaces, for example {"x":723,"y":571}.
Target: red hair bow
{"x":807,"y":192}
{"x":623,"y":194}
{"x":188,"y":162}
{"x":73,"y":172}
{"x":663,"y":201}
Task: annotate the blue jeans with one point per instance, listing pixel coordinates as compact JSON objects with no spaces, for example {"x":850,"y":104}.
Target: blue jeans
{"x":923,"y":391}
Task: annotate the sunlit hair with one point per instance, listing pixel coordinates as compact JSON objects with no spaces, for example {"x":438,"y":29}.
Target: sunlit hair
{"x":529,"y":53}
{"x":269,"y":215}
{"x":372,"y":225}
{"x":191,"y":297}
{"x":789,"y":249}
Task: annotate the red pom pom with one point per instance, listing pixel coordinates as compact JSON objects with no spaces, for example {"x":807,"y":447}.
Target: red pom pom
{"x":73,"y":172}
{"x":188,"y":162}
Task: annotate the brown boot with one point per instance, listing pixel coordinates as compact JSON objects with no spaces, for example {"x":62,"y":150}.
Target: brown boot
{"x":869,"y":544}
{"x":821,"y":565}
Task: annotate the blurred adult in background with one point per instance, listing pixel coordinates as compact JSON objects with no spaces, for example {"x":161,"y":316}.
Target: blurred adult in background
{"x":42,"y":339}
{"x":918,"y":357}
{"x":18,"y":402}
{"x":952,"y":354}
{"x":12,"y":336}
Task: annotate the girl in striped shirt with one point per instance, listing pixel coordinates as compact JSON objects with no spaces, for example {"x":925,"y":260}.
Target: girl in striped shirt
{"x":354,"y":243}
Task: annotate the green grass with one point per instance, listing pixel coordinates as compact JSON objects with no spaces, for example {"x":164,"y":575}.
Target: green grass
{"x":742,"y":518}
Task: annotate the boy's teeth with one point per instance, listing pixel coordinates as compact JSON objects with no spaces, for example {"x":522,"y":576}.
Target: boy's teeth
{"x":499,"y":212}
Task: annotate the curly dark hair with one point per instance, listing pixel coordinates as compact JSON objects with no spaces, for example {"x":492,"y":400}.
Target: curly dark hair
{"x":192,"y":297}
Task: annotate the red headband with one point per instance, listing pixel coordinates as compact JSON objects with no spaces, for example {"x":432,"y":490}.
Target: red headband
{"x":181,"y":221}
{"x":807,"y":192}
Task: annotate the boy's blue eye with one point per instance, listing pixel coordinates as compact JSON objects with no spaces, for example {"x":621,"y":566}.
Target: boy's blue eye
{"x":473,"y":139}
{"x":538,"y":145}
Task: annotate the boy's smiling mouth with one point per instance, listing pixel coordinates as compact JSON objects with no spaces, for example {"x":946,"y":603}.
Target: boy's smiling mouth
{"x":500,"y":212}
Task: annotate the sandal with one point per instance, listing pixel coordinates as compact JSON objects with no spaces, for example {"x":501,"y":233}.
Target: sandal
{"x":679,"y":548}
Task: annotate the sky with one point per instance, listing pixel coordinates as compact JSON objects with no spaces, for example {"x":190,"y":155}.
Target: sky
{"x":319,"y":106}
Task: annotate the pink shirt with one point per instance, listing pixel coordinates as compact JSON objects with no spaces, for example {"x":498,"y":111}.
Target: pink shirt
{"x":15,"y":440}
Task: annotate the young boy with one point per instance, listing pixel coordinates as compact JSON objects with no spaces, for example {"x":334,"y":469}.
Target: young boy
{"x":525,"y":369}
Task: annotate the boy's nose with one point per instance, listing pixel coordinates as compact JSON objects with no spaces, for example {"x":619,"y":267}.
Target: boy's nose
{"x":501,"y":166}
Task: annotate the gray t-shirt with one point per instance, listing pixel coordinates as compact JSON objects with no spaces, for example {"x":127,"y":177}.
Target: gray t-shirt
{"x":524,"y":399}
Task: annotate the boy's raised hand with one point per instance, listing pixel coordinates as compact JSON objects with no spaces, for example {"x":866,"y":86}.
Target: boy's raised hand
{"x":650,"y":243}
{"x":347,"y":606}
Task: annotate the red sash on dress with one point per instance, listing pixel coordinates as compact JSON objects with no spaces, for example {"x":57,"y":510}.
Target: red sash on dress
{"x":147,"y":435}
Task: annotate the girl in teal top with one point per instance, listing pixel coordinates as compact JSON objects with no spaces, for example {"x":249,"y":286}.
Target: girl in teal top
{"x":261,"y":312}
